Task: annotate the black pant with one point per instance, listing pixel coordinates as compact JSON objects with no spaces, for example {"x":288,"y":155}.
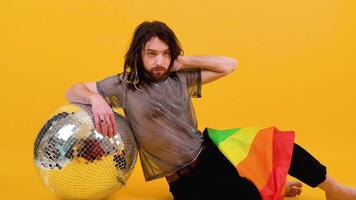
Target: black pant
{"x":214,"y":176}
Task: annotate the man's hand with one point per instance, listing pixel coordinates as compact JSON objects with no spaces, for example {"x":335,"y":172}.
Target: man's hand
{"x":178,"y":64}
{"x":103,"y":116}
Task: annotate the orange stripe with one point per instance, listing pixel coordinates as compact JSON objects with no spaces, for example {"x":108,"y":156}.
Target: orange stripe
{"x":257,"y":166}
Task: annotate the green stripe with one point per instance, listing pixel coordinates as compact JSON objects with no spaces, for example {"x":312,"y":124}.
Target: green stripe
{"x":218,"y":136}
{"x":237,"y":146}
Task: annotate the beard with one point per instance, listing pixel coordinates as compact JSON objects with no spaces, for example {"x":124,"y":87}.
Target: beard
{"x":158,"y":73}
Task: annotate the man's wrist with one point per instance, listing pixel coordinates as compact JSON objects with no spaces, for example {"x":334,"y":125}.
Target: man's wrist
{"x":185,"y":60}
{"x":182,"y":61}
{"x":189,"y":62}
{"x":94,"y":97}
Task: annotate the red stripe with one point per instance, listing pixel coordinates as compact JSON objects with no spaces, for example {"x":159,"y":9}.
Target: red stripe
{"x":283,"y":142}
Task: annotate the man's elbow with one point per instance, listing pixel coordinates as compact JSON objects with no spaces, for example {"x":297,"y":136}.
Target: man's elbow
{"x":231,"y":65}
{"x":68,"y":94}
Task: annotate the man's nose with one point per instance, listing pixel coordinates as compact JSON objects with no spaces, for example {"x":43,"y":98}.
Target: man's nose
{"x":159,"y":60}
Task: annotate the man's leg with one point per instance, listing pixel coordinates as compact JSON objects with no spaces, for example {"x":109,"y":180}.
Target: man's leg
{"x":310,"y":171}
{"x":214,"y":177}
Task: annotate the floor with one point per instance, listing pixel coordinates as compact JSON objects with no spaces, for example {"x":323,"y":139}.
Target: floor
{"x":20,"y":181}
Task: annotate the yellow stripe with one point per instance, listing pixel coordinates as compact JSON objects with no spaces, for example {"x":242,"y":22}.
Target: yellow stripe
{"x":237,"y":146}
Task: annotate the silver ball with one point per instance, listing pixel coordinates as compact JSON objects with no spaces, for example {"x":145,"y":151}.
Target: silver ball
{"x":74,"y":161}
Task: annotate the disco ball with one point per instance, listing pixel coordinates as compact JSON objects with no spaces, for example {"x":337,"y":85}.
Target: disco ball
{"x":74,"y":161}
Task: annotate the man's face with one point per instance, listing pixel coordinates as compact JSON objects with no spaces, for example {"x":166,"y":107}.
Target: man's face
{"x":156,"y":58}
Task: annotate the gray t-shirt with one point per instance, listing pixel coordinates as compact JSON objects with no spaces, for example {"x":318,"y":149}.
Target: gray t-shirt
{"x":162,"y":118}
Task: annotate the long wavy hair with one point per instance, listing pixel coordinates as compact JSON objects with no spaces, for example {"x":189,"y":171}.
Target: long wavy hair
{"x":134,"y":71}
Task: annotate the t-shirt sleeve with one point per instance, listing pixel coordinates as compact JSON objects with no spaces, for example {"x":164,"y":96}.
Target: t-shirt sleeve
{"x":113,"y":90}
{"x":192,"y":78}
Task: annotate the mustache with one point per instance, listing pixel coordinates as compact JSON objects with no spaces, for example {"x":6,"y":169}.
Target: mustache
{"x":159,"y":68}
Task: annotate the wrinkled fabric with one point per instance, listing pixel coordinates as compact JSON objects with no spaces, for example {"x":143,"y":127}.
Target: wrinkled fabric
{"x":162,"y":118}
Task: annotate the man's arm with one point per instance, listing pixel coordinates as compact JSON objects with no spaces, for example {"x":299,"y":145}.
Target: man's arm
{"x":82,"y":93}
{"x":213,"y":67}
{"x":87,"y":93}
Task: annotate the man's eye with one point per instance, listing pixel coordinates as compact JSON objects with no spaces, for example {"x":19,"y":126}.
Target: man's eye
{"x":151,"y":54}
{"x":167,"y":54}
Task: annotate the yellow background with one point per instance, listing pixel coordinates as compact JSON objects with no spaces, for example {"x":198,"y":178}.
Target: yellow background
{"x":296,"y":71}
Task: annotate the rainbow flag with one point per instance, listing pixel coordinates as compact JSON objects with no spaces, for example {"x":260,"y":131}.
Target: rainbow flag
{"x":261,"y":155}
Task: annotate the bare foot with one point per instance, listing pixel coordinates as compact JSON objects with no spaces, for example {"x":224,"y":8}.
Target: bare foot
{"x":293,"y":188}
{"x":341,"y":193}
{"x":335,"y":191}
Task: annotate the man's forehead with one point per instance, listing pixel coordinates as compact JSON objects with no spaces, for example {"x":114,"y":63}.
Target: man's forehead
{"x":155,"y":44}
